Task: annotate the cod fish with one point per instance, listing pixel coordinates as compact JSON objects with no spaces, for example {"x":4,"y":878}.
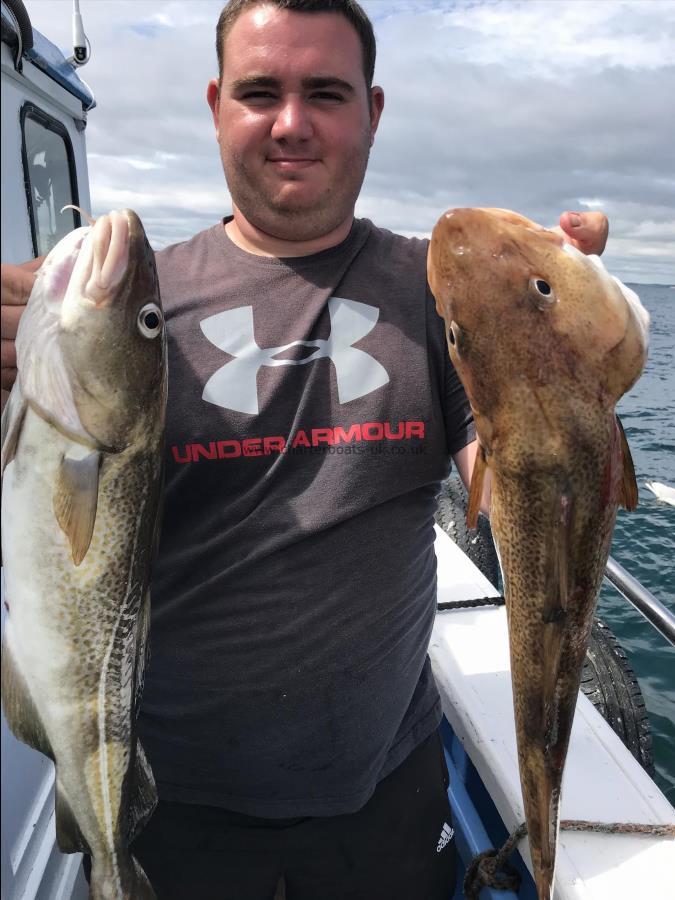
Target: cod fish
{"x":545,"y":342}
{"x":82,"y":438}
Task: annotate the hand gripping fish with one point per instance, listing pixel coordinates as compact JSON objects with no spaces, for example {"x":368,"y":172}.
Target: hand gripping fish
{"x":545,"y":342}
{"x":82,"y":439}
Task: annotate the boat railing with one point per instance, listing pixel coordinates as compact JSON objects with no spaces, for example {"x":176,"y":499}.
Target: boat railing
{"x":642,"y":599}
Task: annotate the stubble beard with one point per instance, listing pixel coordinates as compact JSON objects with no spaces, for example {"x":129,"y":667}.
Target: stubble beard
{"x":292,"y":220}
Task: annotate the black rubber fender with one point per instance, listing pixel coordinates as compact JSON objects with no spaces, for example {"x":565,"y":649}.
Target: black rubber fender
{"x":476,"y":543}
{"x":609,"y":682}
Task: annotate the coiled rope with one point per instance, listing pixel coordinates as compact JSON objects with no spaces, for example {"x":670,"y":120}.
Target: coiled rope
{"x":491,"y":868}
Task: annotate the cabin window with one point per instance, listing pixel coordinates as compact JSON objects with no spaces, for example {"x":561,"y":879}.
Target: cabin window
{"x":49,"y":177}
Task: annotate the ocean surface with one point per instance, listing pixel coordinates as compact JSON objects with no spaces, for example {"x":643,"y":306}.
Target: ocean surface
{"x":644,"y":540}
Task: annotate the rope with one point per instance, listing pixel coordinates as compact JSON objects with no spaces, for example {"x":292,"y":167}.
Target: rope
{"x":491,"y":869}
{"x":618,"y":828}
{"x":470,"y":604}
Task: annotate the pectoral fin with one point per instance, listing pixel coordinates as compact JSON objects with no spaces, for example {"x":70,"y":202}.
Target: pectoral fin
{"x":476,"y":488}
{"x":75,"y":500}
{"x":628,"y":489}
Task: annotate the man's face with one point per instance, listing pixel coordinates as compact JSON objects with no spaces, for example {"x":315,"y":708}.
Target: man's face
{"x":294,"y":119}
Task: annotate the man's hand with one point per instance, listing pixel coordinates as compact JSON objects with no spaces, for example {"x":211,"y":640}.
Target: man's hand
{"x":17,"y":283}
{"x":587,"y":231}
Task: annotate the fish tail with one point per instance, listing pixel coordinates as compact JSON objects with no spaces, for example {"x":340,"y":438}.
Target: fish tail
{"x":549,"y":800}
{"x":119,"y":877}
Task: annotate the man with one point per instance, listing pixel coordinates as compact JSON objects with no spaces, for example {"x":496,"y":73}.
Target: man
{"x":289,"y":713}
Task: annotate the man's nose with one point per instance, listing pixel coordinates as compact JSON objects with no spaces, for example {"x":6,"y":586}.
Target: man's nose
{"x":293,"y":120}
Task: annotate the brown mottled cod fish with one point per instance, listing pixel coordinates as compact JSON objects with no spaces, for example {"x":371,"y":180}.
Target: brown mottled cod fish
{"x":82,"y":439}
{"x":545,"y":343}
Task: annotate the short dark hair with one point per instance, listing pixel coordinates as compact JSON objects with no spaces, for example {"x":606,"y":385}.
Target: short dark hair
{"x":350,"y":9}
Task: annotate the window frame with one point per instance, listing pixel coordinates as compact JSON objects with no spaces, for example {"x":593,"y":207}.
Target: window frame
{"x":36,"y":114}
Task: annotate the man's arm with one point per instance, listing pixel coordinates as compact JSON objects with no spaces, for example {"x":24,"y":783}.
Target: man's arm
{"x":17,"y":283}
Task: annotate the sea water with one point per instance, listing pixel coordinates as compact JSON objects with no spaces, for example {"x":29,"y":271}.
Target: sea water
{"x":644,"y":540}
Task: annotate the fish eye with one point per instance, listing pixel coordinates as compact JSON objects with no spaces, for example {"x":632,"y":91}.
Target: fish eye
{"x":543,"y":292}
{"x":454,"y":335}
{"x":150,"y":320}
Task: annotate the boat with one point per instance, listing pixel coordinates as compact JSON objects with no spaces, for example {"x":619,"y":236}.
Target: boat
{"x":45,"y":105}
{"x":603,"y":780}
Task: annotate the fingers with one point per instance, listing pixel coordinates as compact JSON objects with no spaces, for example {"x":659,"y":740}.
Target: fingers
{"x":587,"y":231}
{"x":17,"y":283}
{"x":10,"y":320}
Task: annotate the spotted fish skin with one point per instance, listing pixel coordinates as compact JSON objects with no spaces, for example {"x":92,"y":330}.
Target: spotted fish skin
{"x":545,"y":343}
{"x":82,"y":475}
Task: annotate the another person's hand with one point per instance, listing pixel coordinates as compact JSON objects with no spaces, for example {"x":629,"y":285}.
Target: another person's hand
{"x":587,"y":231}
{"x":17,"y":283}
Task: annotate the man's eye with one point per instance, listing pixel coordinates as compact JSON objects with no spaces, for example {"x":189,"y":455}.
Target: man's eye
{"x":327,"y":95}
{"x":257,"y":95}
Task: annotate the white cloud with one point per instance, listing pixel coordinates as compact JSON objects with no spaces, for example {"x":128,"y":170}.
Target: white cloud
{"x":535,"y":106}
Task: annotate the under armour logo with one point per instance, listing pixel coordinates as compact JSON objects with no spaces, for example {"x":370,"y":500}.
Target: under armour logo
{"x":233,"y":386}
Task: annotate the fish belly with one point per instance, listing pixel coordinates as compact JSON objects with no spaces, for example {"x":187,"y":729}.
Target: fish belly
{"x":70,"y":644}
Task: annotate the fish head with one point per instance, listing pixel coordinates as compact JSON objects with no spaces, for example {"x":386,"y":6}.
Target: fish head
{"x":522,"y":307}
{"x":91,"y":346}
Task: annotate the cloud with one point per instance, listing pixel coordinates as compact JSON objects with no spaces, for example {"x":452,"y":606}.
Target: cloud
{"x":535,"y":106}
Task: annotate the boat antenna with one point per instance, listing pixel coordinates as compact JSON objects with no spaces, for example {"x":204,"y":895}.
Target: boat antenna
{"x":81,"y":45}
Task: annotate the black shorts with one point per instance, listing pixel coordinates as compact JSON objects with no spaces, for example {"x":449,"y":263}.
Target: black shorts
{"x":399,"y":846}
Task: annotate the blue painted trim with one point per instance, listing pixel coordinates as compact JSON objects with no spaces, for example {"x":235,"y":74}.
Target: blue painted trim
{"x":478,"y":825}
{"x":470,"y":835}
{"x":47,"y":57}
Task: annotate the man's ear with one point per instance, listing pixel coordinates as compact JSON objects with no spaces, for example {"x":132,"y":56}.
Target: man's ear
{"x":376,"y":107}
{"x":213,"y":99}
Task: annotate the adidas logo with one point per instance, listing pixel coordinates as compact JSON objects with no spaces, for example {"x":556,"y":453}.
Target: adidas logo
{"x":445,"y":838}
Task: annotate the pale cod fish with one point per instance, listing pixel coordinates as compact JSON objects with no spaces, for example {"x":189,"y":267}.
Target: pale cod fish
{"x":82,"y":439}
{"x":545,"y":342}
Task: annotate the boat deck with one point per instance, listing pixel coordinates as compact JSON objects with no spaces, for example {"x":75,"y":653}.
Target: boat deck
{"x":603,"y":782}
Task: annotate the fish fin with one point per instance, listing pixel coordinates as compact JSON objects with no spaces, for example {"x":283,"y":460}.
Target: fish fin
{"x":558,"y":581}
{"x":628,"y":489}
{"x":75,"y":501}
{"x":143,"y":795}
{"x":69,"y":836}
{"x":142,"y":653}
{"x":20,"y":710}
{"x":126,"y":877}
{"x":476,"y":488}
{"x":12,"y":420}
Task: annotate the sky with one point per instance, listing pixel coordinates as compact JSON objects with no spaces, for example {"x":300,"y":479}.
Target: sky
{"x":533,"y":105}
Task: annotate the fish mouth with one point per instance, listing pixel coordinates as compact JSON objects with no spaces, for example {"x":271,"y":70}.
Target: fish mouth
{"x":93,"y":273}
{"x":107,"y":261}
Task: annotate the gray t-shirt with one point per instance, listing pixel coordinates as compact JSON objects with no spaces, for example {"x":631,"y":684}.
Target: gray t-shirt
{"x":312,"y":411}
